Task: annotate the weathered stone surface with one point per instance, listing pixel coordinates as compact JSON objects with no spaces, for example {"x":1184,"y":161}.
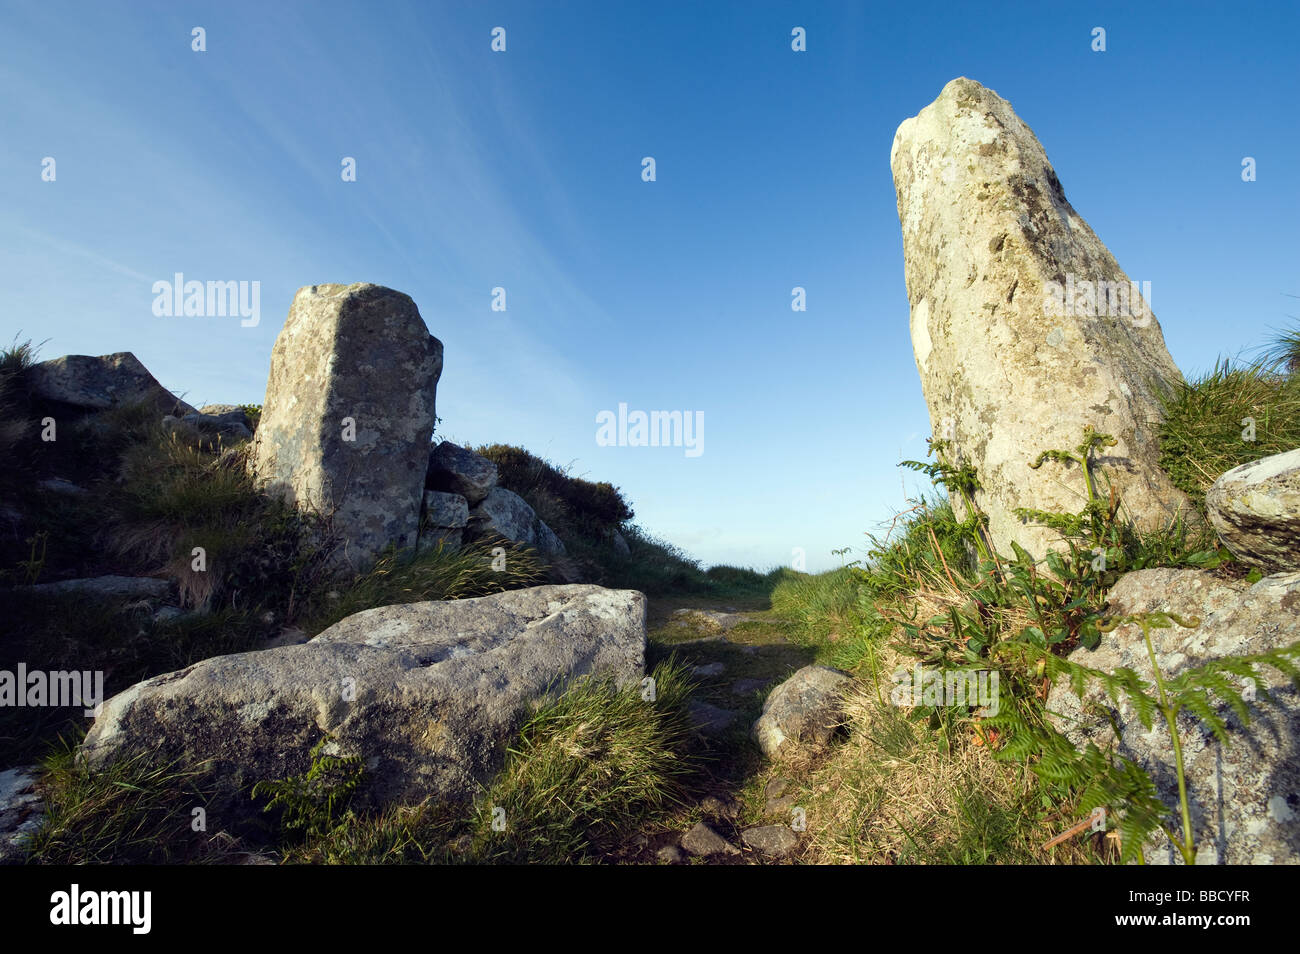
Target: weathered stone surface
{"x":771,"y":841}
{"x":352,"y":361}
{"x":456,"y":470}
{"x":504,"y":513}
{"x":20,"y":812}
{"x":803,"y":712}
{"x":546,"y":540}
{"x":1244,"y":797}
{"x":1256,"y":509}
{"x":988,"y":238}
{"x":428,"y":694}
{"x":703,"y":841}
{"x":445,"y":510}
{"x":445,"y":518}
{"x":106,"y":587}
{"x":99,"y":383}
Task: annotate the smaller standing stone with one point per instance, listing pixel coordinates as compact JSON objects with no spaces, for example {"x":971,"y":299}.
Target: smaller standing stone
{"x":349,"y":413}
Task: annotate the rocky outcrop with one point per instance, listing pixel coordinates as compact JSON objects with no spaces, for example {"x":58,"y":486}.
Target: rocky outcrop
{"x":455,"y":470}
{"x":427,"y":694}
{"x":505,"y":514}
{"x":99,"y":383}
{"x":803,"y":712}
{"x":349,"y":413}
{"x":445,"y":518}
{"x":1244,"y":797}
{"x":1256,"y":510}
{"x":1018,"y":343}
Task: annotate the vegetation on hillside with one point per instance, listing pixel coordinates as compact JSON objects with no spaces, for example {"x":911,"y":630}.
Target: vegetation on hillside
{"x":909,"y":784}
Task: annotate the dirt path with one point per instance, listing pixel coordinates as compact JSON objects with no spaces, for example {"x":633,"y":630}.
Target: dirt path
{"x":738,"y":653}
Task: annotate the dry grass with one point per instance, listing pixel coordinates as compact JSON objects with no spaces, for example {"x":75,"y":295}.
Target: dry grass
{"x":900,"y":791}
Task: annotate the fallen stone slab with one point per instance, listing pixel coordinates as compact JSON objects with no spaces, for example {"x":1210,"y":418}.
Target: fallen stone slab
{"x":426,"y":694}
{"x":505,"y":514}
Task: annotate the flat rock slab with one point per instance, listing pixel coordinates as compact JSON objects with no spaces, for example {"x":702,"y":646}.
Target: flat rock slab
{"x":106,"y":587}
{"x":707,"y":621}
{"x":427,"y":694}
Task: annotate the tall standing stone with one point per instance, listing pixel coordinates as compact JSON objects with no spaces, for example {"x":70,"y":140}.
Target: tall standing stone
{"x":349,"y":413}
{"x":1017,"y":343}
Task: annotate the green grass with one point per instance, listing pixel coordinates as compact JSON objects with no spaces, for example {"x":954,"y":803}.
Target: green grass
{"x":131,"y":812}
{"x":586,"y":769}
{"x":1201,"y":437}
{"x":436,"y":573}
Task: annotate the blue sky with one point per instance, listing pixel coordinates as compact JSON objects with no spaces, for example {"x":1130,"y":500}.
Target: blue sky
{"x":522,"y":169}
